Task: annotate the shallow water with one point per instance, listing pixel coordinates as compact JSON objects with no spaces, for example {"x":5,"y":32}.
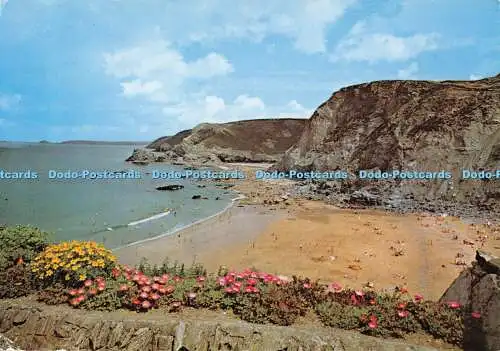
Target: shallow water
{"x":111,"y":211}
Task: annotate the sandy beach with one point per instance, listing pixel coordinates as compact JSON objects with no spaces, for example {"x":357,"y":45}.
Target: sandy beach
{"x":312,"y":239}
{"x":235,"y":226}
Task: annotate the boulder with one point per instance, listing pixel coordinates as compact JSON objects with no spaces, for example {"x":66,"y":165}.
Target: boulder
{"x":477,"y":288}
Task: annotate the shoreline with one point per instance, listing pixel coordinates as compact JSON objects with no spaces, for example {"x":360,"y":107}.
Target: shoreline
{"x":185,"y":227}
{"x":237,"y":225}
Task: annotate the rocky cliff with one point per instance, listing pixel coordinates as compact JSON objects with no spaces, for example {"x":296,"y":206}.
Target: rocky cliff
{"x":260,"y":140}
{"x":407,"y":125}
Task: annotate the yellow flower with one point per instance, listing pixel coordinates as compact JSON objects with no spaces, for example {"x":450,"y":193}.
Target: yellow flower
{"x":82,"y":277}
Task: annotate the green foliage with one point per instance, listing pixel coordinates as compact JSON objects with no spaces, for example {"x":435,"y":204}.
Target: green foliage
{"x":16,"y":281}
{"x":276,"y":304}
{"x":336,"y":315}
{"x":108,"y":300}
{"x":174,"y":269}
{"x":53,"y":295}
{"x":440,"y":321}
{"x":20,"y":242}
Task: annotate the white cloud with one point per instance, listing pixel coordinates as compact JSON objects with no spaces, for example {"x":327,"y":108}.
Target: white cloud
{"x":475,"y":76}
{"x":304,"y":22}
{"x":3,"y":3}
{"x":363,"y":45}
{"x":214,"y":109}
{"x":157,"y":71}
{"x":409,"y":72}
{"x":8,"y":102}
{"x":137,"y":87}
{"x":247,"y":102}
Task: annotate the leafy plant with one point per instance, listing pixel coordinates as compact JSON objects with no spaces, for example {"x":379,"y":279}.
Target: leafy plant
{"x":53,"y":295}
{"x":21,"y":244}
{"x":16,"y":281}
{"x":73,"y":262}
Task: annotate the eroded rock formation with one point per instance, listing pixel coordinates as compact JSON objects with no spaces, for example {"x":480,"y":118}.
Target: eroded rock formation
{"x":260,"y":140}
{"x":408,"y":125}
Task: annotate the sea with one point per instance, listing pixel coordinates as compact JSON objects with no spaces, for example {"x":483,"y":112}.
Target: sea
{"x":116,"y":212}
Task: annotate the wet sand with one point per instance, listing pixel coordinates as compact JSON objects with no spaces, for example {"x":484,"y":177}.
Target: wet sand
{"x":235,"y":226}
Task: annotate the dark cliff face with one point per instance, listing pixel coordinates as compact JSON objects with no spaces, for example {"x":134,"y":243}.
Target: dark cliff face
{"x":260,"y":140}
{"x":411,"y":125}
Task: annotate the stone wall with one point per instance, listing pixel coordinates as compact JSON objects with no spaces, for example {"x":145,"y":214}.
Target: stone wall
{"x":37,"y":328}
{"x":478,"y":289}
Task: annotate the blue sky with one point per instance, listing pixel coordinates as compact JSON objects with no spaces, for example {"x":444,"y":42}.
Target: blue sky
{"x":137,"y":70}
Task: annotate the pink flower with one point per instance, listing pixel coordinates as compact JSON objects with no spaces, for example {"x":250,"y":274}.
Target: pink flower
{"x":146,"y":304}
{"x":87,"y":283}
{"x":135,"y":301}
{"x":454,"y":304}
{"x":154,"y":296}
{"x":143,"y":295}
{"x":307,"y":286}
{"x":251,"y":281}
{"x":354,"y":300}
{"x":229,"y":290}
{"x":123,"y":287}
{"x":177,"y":279}
{"x":403,"y":290}
{"x":200,"y":279}
{"x":475,"y":315}
{"x":73,"y":292}
{"x":334,"y":287}
{"x":221,"y":281}
{"x":92,"y":292}
{"x":402,"y":305}
{"x":101,"y":287}
{"x":74,"y":302}
{"x":191,"y":295}
{"x":146,"y":289}
{"x":156,"y":279}
{"x":403,"y":314}
{"x":116,"y":272}
{"x":169,"y":289}
{"x":419,"y":297}
{"x":373,"y":322}
{"x":155,"y":286}
{"x":162,"y":290}
{"x":359,"y":293}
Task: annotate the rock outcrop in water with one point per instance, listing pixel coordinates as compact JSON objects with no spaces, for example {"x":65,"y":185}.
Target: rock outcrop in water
{"x":260,"y":140}
{"x":407,"y":125}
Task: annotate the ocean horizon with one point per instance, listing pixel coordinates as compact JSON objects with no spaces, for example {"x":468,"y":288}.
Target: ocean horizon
{"x":116,"y":212}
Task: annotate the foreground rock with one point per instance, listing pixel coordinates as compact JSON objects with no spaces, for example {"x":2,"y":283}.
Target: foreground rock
{"x":406,"y":125}
{"x":35,"y":328}
{"x":262,"y":141}
{"x":478,"y":289}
